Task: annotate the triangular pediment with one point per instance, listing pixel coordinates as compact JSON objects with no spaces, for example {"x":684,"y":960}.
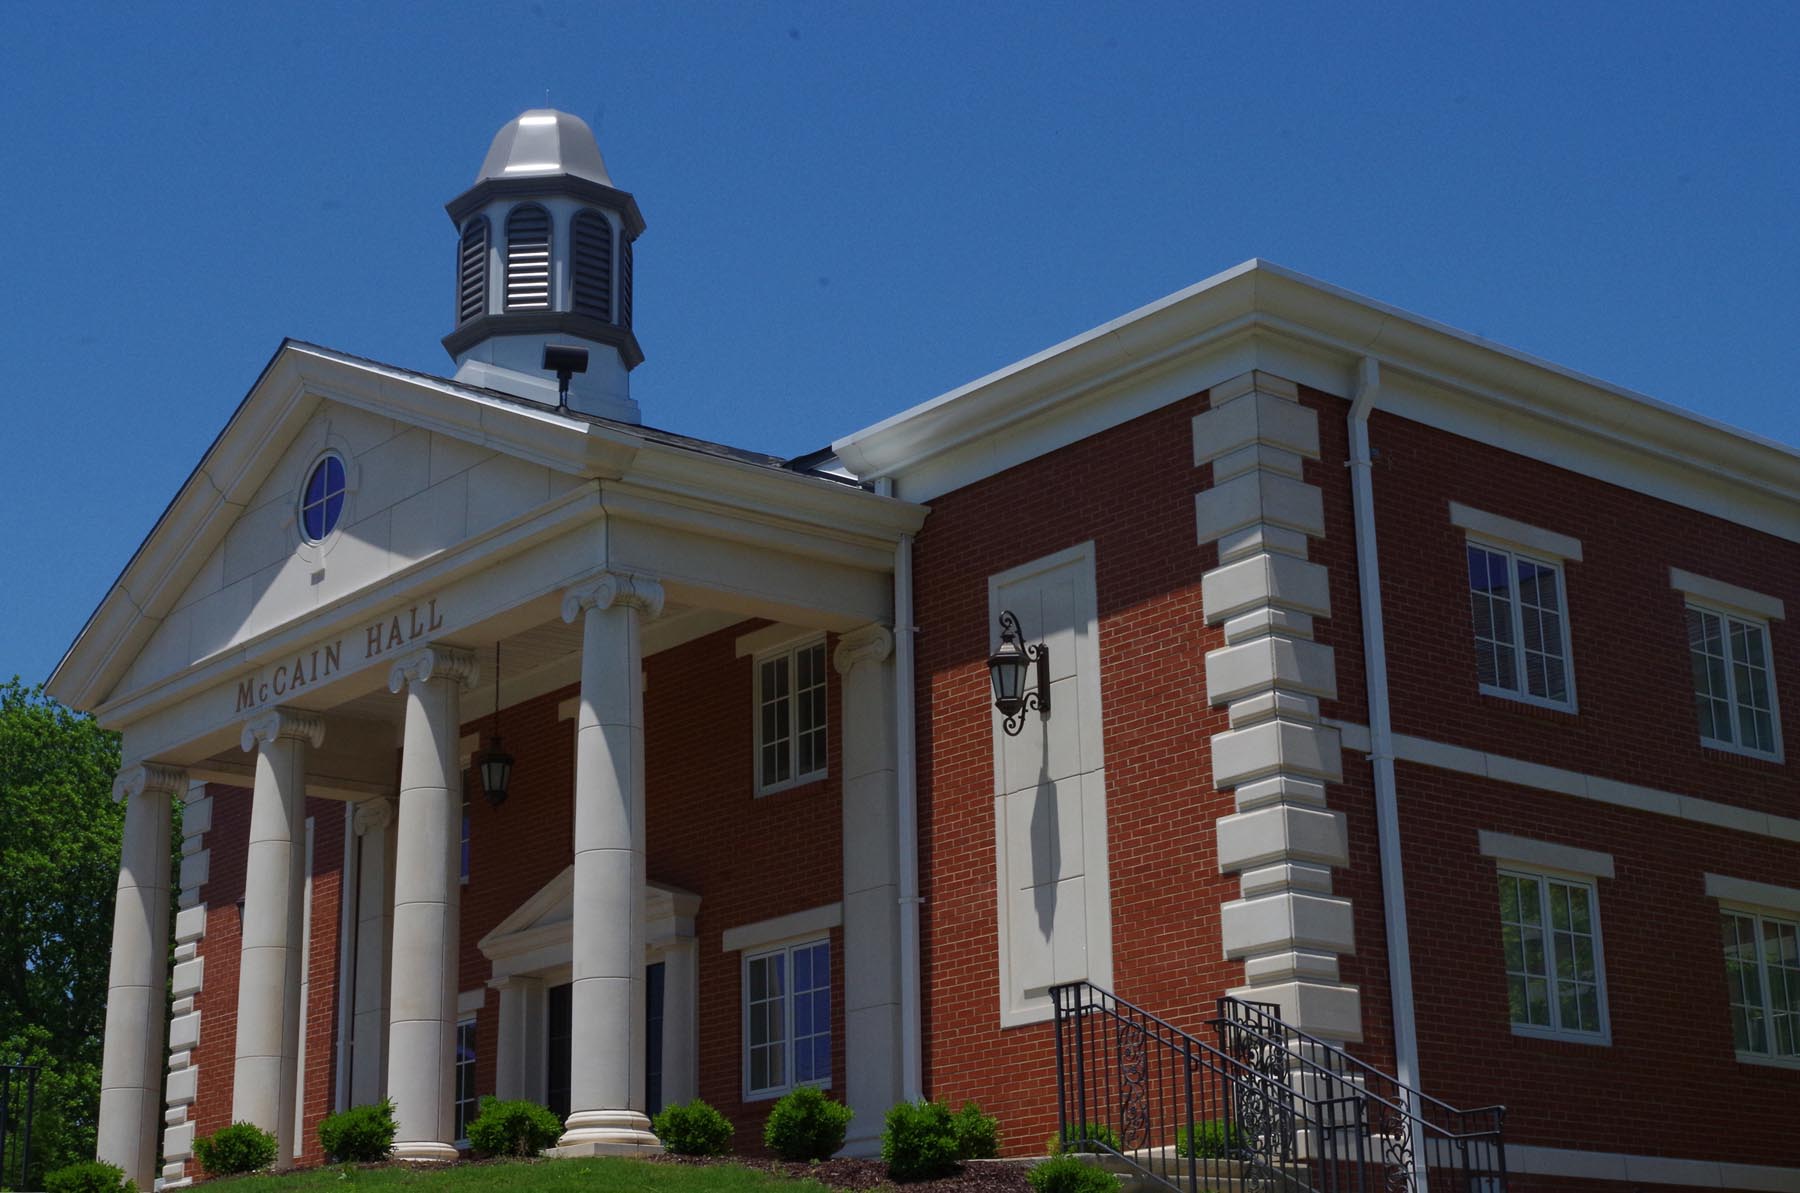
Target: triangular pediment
{"x":538,"y":931}
{"x":428,"y":464}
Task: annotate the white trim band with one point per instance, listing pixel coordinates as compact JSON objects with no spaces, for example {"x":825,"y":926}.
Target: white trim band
{"x":470,"y":1001}
{"x":772,"y":638}
{"x":1464,"y":760}
{"x":1544,"y":855}
{"x":784,"y":927}
{"x":1756,"y":894}
{"x":1729,"y":596}
{"x":1525,"y":1160}
{"x":1534,"y":539}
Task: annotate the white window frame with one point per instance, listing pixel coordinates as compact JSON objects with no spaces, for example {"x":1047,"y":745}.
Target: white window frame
{"x":790,"y":652}
{"x":1513,"y":556}
{"x":785,"y":949}
{"x":457,"y":1067}
{"x":1726,"y":617}
{"x":1556,"y":1030}
{"x":1758,"y":914}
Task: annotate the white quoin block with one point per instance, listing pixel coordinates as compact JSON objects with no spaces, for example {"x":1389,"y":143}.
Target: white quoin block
{"x":1255,"y":418}
{"x":196,"y":817}
{"x":178,"y":1143}
{"x":1279,"y":833}
{"x":1324,"y":1009}
{"x":1254,"y":497}
{"x":1283,"y":580}
{"x":1294,"y":963}
{"x":190,"y":924}
{"x":1289,"y":664}
{"x":182,"y":1086}
{"x":194,"y":869}
{"x":1255,"y":381}
{"x":187,"y":977}
{"x":1286,"y":920}
{"x":184,"y":1032}
{"x":1295,"y":747}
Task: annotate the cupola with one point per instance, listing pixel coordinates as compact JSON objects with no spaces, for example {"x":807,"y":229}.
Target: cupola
{"x":543,"y":255}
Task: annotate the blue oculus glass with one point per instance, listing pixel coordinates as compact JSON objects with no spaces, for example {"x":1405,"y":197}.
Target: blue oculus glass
{"x":323,"y":500}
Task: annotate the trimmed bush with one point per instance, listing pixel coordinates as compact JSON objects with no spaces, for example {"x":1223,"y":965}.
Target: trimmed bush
{"x":693,"y":1129}
{"x":359,"y":1135}
{"x":919,"y":1141}
{"x":89,"y":1177}
{"x":806,"y":1125}
{"x":977,"y":1134}
{"x":241,"y":1147}
{"x":517,"y":1129}
{"x":1069,"y":1174}
{"x":1091,"y":1138}
{"x":1210,"y":1141}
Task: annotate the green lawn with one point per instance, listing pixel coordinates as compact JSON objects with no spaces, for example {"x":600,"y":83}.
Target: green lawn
{"x":611,"y":1174}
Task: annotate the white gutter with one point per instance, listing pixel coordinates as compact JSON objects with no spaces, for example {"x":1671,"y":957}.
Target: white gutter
{"x":905,"y":765}
{"x":1381,"y":730}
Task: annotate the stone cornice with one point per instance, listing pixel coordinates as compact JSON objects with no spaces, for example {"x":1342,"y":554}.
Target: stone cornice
{"x":149,"y":777}
{"x":277,"y":724}
{"x":607,"y":589}
{"x":449,"y":663}
{"x":871,"y":644}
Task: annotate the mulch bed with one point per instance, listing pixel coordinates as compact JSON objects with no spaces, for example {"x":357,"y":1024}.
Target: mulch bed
{"x":980,"y":1177}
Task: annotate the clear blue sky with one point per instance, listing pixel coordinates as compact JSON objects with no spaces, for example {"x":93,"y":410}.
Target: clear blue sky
{"x":853,"y":207}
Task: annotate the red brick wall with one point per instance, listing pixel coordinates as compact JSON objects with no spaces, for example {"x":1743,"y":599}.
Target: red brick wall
{"x":217,"y":1050}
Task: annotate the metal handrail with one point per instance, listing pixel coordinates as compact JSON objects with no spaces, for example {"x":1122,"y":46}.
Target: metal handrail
{"x":18,"y":1127}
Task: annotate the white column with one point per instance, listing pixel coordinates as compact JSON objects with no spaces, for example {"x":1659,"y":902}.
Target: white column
{"x":519,"y":1050}
{"x":269,"y":966}
{"x":132,"y":1064}
{"x":374,"y":923}
{"x":681,"y":1021}
{"x":422,"y":994}
{"x":871,"y":885}
{"x":607,"y":1080}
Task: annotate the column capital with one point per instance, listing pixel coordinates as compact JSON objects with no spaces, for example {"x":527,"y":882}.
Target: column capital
{"x":149,"y":777}
{"x":870,"y":644}
{"x":606,"y":589}
{"x":434,"y":662}
{"x":373,"y":815}
{"x":279,"y":723}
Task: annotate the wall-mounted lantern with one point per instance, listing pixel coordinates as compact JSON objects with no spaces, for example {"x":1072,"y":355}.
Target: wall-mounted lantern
{"x":1008,"y":667}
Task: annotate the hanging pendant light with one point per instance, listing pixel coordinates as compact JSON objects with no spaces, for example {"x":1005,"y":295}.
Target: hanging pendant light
{"x":494,"y":763}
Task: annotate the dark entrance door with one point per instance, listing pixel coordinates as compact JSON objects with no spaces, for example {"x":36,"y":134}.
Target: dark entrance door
{"x":559,"y":1031}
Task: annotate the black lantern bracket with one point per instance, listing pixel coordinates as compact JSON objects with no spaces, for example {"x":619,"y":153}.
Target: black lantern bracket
{"x":1008,"y":668}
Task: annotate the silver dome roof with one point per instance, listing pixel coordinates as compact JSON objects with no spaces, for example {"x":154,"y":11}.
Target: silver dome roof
{"x":544,"y":143}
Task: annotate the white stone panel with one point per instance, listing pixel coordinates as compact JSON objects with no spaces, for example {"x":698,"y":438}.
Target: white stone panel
{"x":188,"y":977}
{"x":1296,"y":665}
{"x":450,"y":456}
{"x":178,"y":1143}
{"x":1286,"y":920}
{"x":1291,"y":746}
{"x":1259,"y":497}
{"x":194,"y":869}
{"x":394,"y":470}
{"x":430,"y":521}
{"x":182,"y":1087}
{"x":1324,"y":1009}
{"x":196,"y":817}
{"x":502,"y":488}
{"x":1282,"y":832}
{"x":1283,"y":580}
{"x":1255,"y":418}
{"x":184,"y":1032}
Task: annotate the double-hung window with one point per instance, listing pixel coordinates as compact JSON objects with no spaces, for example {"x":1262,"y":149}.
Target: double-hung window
{"x":1521,"y":626}
{"x":787,"y":1018}
{"x":790,"y":717}
{"x":1550,"y":934}
{"x":466,"y":1101}
{"x":1734,"y":687}
{"x":1762,"y":975}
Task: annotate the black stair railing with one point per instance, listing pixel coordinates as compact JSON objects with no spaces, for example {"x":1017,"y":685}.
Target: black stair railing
{"x":1417,"y":1143}
{"x":18,"y":1102}
{"x":1148,"y":1099}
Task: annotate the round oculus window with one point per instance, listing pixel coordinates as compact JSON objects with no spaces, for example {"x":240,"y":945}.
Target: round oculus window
{"x":323,"y":500}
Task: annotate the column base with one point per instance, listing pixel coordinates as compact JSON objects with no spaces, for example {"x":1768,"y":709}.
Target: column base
{"x":606,"y":1133}
{"x":425,"y":1153}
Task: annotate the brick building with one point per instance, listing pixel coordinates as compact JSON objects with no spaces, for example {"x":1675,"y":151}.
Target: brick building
{"x":1423,"y":692}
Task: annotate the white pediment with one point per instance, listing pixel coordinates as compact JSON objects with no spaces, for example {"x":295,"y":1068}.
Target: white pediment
{"x":538,"y":934}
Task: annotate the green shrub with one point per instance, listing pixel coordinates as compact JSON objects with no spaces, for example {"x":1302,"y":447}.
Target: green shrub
{"x":1070,"y":1174}
{"x":513,"y":1128}
{"x":1211,"y":1140}
{"x":89,"y":1177}
{"x":241,"y":1147}
{"x":977,"y":1134}
{"x":919,"y":1141}
{"x":1092,"y":1138}
{"x":694,"y":1129}
{"x":359,"y":1135}
{"x":806,"y":1125}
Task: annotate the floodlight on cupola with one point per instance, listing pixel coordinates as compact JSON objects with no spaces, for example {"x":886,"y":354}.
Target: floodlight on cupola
{"x":544,"y":253}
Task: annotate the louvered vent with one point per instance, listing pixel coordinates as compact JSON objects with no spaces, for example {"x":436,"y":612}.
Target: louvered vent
{"x":624,"y":283}
{"x":471,"y":271}
{"x":593,"y":265}
{"x":528,"y":259}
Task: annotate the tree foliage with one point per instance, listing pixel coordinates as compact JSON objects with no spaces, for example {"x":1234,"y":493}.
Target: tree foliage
{"x":59,"y":863}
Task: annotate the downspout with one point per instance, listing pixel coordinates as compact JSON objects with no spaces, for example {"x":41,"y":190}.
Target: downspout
{"x":905,"y":766}
{"x":1381,"y":730}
